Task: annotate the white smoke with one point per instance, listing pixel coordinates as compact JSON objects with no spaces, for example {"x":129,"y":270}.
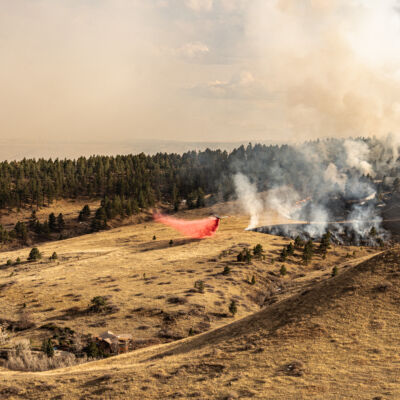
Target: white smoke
{"x":357,"y":155}
{"x":320,"y":183}
{"x":248,"y":198}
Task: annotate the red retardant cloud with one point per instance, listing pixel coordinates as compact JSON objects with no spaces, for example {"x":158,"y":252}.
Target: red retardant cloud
{"x":197,"y":229}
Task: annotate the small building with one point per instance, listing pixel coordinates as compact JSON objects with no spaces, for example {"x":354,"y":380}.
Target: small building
{"x":111,"y":343}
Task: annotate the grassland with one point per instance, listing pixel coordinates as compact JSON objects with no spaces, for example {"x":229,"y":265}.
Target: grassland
{"x":302,"y":335}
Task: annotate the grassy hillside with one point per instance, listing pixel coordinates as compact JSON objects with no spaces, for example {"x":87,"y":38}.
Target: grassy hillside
{"x":315,"y":336}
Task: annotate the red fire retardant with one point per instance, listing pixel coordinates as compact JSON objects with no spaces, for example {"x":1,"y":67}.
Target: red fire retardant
{"x":197,"y":229}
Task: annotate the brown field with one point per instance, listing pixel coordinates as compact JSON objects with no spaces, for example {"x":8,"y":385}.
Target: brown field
{"x":304,"y":335}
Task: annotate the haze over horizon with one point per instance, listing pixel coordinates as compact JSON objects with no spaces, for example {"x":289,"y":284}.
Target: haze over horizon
{"x":213,"y":71}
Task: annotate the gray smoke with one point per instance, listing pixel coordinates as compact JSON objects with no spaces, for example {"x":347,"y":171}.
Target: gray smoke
{"x":324,"y":184}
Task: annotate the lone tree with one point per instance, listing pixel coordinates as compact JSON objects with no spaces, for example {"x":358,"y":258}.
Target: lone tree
{"x":290,"y":249}
{"x":283,"y":255}
{"x":54,"y":256}
{"x":283,"y":270}
{"x":84,"y":214}
{"x":52,"y":222}
{"x":325,"y":243}
{"x":233,"y":307}
{"x":34,"y":254}
{"x":258,"y":250}
{"x":298,"y":242}
{"x":308,"y":252}
{"x":60,"y":222}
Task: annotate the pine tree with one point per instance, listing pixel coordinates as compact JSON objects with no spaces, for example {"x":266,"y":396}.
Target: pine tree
{"x":52,"y":222}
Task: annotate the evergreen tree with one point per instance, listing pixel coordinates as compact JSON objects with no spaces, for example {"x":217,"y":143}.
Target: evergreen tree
{"x":52,"y":223}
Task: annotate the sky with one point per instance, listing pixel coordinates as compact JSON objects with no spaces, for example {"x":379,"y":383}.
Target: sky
{"x":198,"y":70}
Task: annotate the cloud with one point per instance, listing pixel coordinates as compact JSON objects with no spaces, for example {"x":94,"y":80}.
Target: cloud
{"x":193,"y":49}
{"x":199,"y":5}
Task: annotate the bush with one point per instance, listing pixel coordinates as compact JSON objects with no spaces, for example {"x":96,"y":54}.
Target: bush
{"x":18,"y":261}
{"x":34,"y":254}
{"x":47,"y":347}
{"x":253,"y":280}
{"x":54,"y":256}
{"x":258,"y":250}
{"x":227,"y":270}
{"x":334,"y":271}
{"x":199,"y":285}
{"x":191,"y":332}
{"x":98,"y":304}
{"x":171,"y":242}
{"x":233,"y":307}
{"x":9,"y":262}
{"x":21,"y":358}
{"x":283,"y":270}
{"x":154,"y":237}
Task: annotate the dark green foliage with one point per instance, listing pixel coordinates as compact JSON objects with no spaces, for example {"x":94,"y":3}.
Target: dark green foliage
{"x":227,"y":270}
{"x":171,"y":242}
{"x":283,"y":270}
{"x":298,"y":242}
{"x":325,"y":243}
{"x":52,"y":223}
{"x":191,"y":332}
{"x":199,"y":285}
{"x":98,"y":304}
{"x":154,"y":237}
{"x":233,"y":307}
{"x":93,"y":351}
{"x":9,"y":262}
{"x":18,"y":261}
{"x":244,"y":256}
{"x":84,"y":214}
{"x":34,"y":254}
{"x":290,"y":249}
{"x":258,"y":250}
{"x":308,"y":251}
{"x":60,"y":222}
{"x":253,"y":280}
{"x":372,"y":232}
{"x":334,"y":271}
{"x":47,"y":347}
{"x":284,"y":254}
{"x":21,"y":231}
{"x":54,"y":256}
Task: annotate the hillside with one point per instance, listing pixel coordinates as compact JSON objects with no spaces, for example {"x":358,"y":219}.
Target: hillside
{"x":307,"y":316}
{"x":337,"y":340}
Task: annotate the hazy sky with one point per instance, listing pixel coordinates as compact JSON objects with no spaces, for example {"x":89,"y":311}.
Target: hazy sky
{"x":198,"y":70}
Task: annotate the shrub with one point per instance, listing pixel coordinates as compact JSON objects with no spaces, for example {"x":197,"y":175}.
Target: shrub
{"x":18,"y":261}
{"x":171,"y":242}
{"x":98,"y":304}
{"x":199,"y":285}
{"x":34,"y":254}
{"x":283,"y":270}
{"x":54,"y":256}
{"x":298,"y":242}
{"x":227,"y":270}
{"x":191,"y":332}
{"x":154,"y":237}
{"x":9,"y":262}
{"x":290,"y":249}
{"x":47,"y":347}
{"x":233,"y":307}
{"x":283,"y":255}
{"x":334,"y":271}
{"x":258,"y":250}
{"x":21,"y":358}
{"x":253,"y":280}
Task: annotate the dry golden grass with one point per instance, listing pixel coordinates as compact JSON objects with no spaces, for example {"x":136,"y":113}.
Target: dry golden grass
{"x":321,"y":337}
